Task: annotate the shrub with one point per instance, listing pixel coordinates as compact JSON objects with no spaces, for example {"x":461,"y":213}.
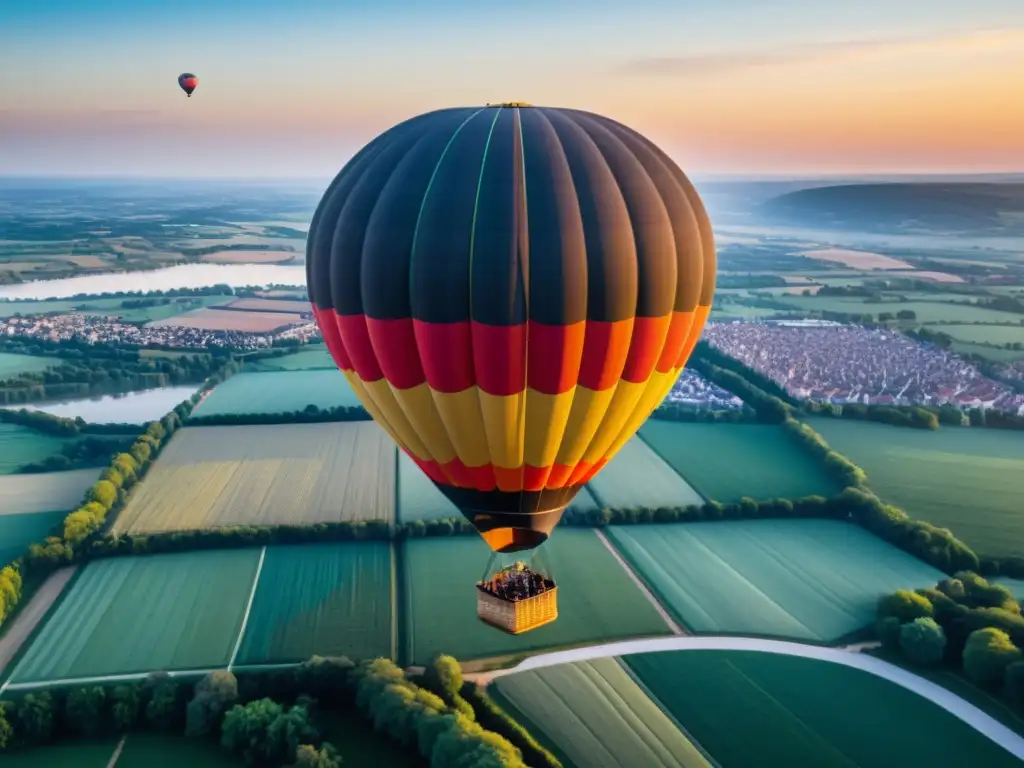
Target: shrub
{"x":905,"y":606}
{"x":987,"y":655}
{"x":923,"y":641}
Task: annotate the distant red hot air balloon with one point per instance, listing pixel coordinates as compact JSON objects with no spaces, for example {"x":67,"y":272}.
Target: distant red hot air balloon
{"x":188,"y":83}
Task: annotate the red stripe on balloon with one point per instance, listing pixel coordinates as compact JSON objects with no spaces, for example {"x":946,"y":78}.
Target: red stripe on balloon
{"x":645,"y":347}
{"x":605,"y":349}
{"x":446,"y":352}
{"x":356,"y":339}
{"x":499,"y":357}
{"x":325,"y":319}
{"x":394,"y":344}
{"x":555,"y":353}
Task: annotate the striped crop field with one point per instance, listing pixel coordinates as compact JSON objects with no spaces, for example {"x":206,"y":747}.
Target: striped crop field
{"x":136,"y":614}
{"x":278,"y":392}
{"x":269,"y":305}
{"x":764,"y":709}
{"x":211,"y":319}
{"x":968,"y":480}
{"x":22,"y":494}
{"x":597,"y":600}
{"x":18,"y":531}
{"x":726,"y":462}
{"x":289,"y":474}
{"x":593,"y":713}
{"x":323,"y":599}
{"x":636,"y":477}
{"x":12,"y":365}
{"x":815,"y":580}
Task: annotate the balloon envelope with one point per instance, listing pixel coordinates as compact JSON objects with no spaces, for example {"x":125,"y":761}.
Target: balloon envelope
{"x":511,"y":291}
{"x":188,"y":82}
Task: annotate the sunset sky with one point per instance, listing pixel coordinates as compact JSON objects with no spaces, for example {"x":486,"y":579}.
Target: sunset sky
{"x":294,"y":87}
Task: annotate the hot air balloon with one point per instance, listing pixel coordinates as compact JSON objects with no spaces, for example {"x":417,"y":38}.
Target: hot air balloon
{"x":188,"y":83}
{"x":511,"y":291}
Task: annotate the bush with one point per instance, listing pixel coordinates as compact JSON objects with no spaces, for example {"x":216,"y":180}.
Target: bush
{"x":923,"y":642}
{"x":987,"y":655}
{"x":904,"y":605}
{"x":85,"y":710}
{"x":308,"y":756}
{"x":888,"y":630}
{"x":213,"y":696}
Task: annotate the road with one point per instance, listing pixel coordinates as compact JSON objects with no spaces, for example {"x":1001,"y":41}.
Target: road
{"x":968,"y":713}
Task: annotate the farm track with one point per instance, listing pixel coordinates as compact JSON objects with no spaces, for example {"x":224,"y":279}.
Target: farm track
{"x":947,"y":700}
{"x":26,"y":621}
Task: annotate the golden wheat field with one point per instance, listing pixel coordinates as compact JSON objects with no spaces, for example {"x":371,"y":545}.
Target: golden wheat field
{"x":298,"y":474}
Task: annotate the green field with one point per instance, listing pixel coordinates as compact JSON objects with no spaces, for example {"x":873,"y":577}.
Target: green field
{"x":323,"y":599}
{"x":20,"y":445}
{"x":594,"y":714}
{"x":281,"y":474}
{"x":13,"y":365}
{"x":926,"y":311}
{"x":761,"y":709}
{"x":46,"y":491}
{"x":726,"y":462}
{"x":157,"y":750}
{"x":814,"y":580}
{"x":418,"y":497}
{"x":968,"y":480}
{"x":18,"y":531}
{"x":313,"y":358}
{"x":278,"y":392}
{"x":138,"y":614}
{"x":75,"y":754}
{"x":986,"y":334}
{"x":636,"y":477}
{"x":597,"y":601}
{"x":989,"y":353}
{"x":108,"y":307}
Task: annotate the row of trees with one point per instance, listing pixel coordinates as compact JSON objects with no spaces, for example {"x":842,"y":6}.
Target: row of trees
{"x":841,"y":468}
{"x":268,"y":717}
{"x":89,"y":451}
{"x":58,"y":426}
{"x":962,"y":623}
{"x":220,"y":289}
{"x":311,"y":414}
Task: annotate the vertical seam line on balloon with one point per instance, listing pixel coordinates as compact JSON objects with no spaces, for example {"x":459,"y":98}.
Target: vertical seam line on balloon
{"x":472,"y":250}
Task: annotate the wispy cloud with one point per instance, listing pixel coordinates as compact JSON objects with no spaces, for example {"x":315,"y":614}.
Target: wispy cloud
{"x":729,"y":62}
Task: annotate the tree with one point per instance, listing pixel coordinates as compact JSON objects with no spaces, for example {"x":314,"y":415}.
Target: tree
{"x":308,"y":756}
{"x":444,"y":676}
{"x":289,"y":730}
{"x":125,"y":708}
{"x":888,"y":630}
{"x":987,"y":654}
{"x":923,"y":641}
{"x":84,"y":709}
{"x":6,"y":730}
{"x":214,"y":695}
{"x":34,"y":717}
{"x":162,"y":709}
{"x":245,"y":726}
{"x":905,"y":606}
{"x":103,"y":492}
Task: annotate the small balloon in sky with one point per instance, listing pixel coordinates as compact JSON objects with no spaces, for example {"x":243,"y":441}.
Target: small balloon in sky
{"x":188,"y":83}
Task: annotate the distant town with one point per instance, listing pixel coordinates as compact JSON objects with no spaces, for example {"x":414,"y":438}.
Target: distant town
{"x":830,"y":362}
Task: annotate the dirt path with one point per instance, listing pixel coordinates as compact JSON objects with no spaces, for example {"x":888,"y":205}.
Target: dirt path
{"x":949,"y":701}
{"x":117,"y":752}
{"x":26,"y":621}
{"x":676,"y":629}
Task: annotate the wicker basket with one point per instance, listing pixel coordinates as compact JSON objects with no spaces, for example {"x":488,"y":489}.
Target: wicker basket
{"x":517,"y":616}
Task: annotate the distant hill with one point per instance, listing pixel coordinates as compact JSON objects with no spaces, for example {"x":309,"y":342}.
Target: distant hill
{"x":932,"y":206}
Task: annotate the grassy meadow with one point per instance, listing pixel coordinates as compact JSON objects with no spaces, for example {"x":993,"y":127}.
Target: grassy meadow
{"x":726,"y":462}
{"x":136,"y":614}
{"x":315,"y":357}
{"x":597,"y":600}
{"x":636,"y":477}
{"x":18,"y":531}
{"x":324,"y":599}
{"x":43,"y":492}
{"x":750,"y":708}
{"x":278,"y":392}
{"x":593,"y":713}
{"x":12,"y":365}
{"x":295,"y":474}
{"x":815,"y":580}
{"x":418,"y":497}
{"x":968,"y":480}
{"x":20,"y":445}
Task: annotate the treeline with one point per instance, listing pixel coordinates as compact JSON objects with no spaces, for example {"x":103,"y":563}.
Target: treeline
{"x":688,"y":414}
{"x":913,"y":416}
{"x":87,"y":452}
{"x":767,"y":408}
{"x":269,"y":717}
{"x":704,"y":351}
{"x":963,"y":623}
{"x":311,"y":414}
{"x":58,"y":426}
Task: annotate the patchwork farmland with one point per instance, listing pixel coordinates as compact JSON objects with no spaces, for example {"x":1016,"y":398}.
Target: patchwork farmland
{"x":278,"y":392}
{"x":726,"y":462}
{"x":297,"y":474}
{"x":968,"y":480}
{"x":815,"y":580}
{"x":326,"y":599}
{"x":752,"y":708}
{"x":597,"y":600}
{"x":136,"y":614}
{"x":316,"y":357}
{"x":636,"y":477}
{"x":212,"y":319}
{"x":20,"y":494}
{"x":593,"y":713}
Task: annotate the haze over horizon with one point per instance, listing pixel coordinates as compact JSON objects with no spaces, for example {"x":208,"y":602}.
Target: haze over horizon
{"x":742,"y":87}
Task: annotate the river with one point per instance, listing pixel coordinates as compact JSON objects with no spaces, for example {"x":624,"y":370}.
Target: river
{"x":126,"y":408}
{"x":181,"y":276}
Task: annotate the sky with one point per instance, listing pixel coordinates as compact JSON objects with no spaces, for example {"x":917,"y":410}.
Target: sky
{"x":295,"y":87}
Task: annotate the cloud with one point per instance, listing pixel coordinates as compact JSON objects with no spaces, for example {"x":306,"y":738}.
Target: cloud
{"x":729,"y":62}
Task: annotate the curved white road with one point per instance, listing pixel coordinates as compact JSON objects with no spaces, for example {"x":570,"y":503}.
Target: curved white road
{"x":949,"y":701}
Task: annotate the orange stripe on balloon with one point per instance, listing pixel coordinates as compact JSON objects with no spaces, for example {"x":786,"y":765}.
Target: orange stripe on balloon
{"x":645,"y":347}
{"x":598,"y":466}
{"x":559,"y":475}
{"x":675,"y":339}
